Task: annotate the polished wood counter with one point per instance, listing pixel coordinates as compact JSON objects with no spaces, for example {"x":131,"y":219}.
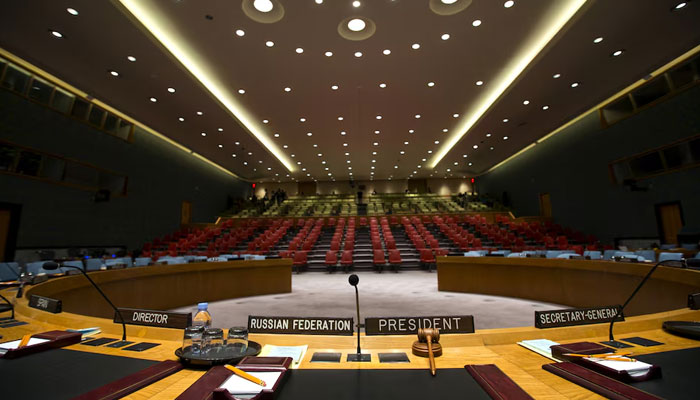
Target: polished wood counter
{"x":491,"y":346}
{"x":576,"y":283}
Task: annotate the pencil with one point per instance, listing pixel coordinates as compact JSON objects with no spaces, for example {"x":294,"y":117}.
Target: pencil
{"x":24,"y":341}
{"x":245,"y":375}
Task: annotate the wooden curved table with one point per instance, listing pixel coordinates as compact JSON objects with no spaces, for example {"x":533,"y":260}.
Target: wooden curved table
{"x":525,"y":278}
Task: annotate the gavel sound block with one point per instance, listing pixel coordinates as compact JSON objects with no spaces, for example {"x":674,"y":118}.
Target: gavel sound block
{"x":428,"y":345}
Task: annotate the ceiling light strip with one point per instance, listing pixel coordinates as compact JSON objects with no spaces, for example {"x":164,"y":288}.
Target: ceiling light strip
{"x":680,"y":59}
{"x":169,"y":36}
{"x":79,"y":93}
{"x":559,"y":15}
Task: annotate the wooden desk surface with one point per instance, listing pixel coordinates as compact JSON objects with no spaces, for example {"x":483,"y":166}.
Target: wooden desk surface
{"x":493,"y":346}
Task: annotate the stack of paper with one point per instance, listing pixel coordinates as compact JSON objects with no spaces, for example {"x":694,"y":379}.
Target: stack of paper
{"x":295,"y":352}
{"x":633,"y":368}
{"x":540,"y":346}
{"x":241,"y":386}
{"x":4,"y":347}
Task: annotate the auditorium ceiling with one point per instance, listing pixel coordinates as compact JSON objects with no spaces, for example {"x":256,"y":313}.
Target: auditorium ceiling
{"x":287,"y":90}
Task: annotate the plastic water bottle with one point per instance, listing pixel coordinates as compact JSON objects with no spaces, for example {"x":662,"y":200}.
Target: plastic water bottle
{"x":202,"y":318}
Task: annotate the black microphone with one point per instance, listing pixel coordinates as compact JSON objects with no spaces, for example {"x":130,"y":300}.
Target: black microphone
{"x":359,"y":357}
{"x":8,"y":307}
{"x":614,"y":343}
{"x":51,"y":265}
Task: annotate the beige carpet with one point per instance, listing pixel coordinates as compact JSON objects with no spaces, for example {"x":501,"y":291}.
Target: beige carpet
{"x":409,"y":293}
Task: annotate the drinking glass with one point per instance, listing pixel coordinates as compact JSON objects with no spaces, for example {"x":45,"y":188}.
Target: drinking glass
{"x":213,"y":341}
{"x":237,"y":340}
{"x":193,"y":339}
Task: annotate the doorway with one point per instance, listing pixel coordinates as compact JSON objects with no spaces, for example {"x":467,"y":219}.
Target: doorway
{"x":669,"y":219}
{"x":186,"y":213}
{"x":545,"y":205}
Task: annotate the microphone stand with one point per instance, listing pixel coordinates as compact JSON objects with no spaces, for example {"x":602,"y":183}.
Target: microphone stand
{"x":123,"y":342}
{"x":612,"y":342}
{"x":8,"y":307}
{"x":359,"y":357}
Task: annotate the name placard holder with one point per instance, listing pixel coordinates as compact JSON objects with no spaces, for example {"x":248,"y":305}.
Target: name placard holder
{"x":576,"y":316}
{"x":45,"y":304}
{"x":162,"y":319}
{"x":410,"y":325}
{"x":300,"y":325}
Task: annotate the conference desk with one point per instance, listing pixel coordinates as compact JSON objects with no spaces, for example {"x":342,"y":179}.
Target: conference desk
{"x":492,"y":346}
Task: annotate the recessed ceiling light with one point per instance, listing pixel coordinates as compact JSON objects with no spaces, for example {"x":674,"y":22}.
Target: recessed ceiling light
{"x":402,"y":152}
{"x":598,"y":39}
{"x":237,"y":143}
{"x":221,"y":146}
{"x":263,"y":5}
{"x":556,"y":76}
{"x":431,"y":84}
{"x":374,"y":153}
{"x":181,"y":119}
{"x":424,"y":159}
{"x":345,"y":145}
{"x":340,"y":118}
{"x":240,"y":32}
{"x":545,"y":107}
{"x":299,"y":50}
{"x":445,"y":36}
{"x":508,"y":4}
{"x":488,"y":135}
{"x":386,"y":52}
{"x":287,"y":89}
{"x":356,"y":4}
{"x":437,"y":142}
{"x":153,"y":99}
{"x":294,"y":155}
{"x":72,"y":11}
{"x":575,"y":84}
{"x":464,"y":156}
{"x":617,"y":53}
{"x":378,"y":117}
{"x":356,"y":24}
{"x":343,"y":133}
{"x":358,"y":54}
{"x":347,"y":153}
{"x":376,"y":132}
{"x":455,"y":115}
{"x":382,"y":85}
{"x":319,"y":155}
{"x":329,"y":54}
{"x":476,"y":22}
{"x":405,"y":143}
{"x":448,"y":1}
{"x":323,"y":162}
{"x":334,"y":87}
{"x":319,"y":1}
{"x":470,"y":164}
{"x":277,"y":135}
{"x":220,"y":129}
{"x":204,"y":134}
{"x":241,"y":91}
{"x":491,"y":148}
{"x":200,"y":113}
{"x":375,"y":144}
{"x":171,"y":90}
{"x":479,"y":83}
{"x":456,"y":163}
{"x":233,"y":155}
{"x":415,"y":46}
{"x":411,"y":131}
{"x":505,"y":120}
{"x":680,"y":5}
{"x":131,"y":58}
{"x":309,"y":134}
{"x":269,"y":43}
{"x":250,"y":153}
{"x":265,"y":121}
{"x":396,"y":166}
{"x":56,"y":33}
{"x":245,"y":162}
{"x":476,"y":146}
{"x":505,"y":137}
{"x":448,"y":170}
{"x":526,"y":102}
{"x":113,"y":73}
{"x":444,"y":130}
{"x":285,"y":146}
{"x":417,"y":116}
{"x":374,"y":161}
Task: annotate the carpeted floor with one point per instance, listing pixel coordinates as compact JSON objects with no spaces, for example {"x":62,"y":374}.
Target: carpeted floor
{"x":409,"y":293}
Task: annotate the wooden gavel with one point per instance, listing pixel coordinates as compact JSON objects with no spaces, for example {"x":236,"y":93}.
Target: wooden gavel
{"x":430,"y":336}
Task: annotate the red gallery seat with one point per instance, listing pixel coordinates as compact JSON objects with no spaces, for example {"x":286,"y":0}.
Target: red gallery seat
{"x":427,"y":258}
{"x":379,"y":260}
{"x":395,"y":259}
{"x":299,"y":260}
{"x":331,"y":260}
{"x":346,"y":260}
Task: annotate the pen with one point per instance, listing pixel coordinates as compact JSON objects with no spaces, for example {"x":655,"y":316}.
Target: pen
{"x":245,"y":375}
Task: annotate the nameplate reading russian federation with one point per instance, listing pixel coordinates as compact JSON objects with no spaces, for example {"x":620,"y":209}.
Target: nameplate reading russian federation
{"x":410,"y":325}
{"x":300,"y":325}
{"x":45,"y":304}
{"x":576,"y":316}
{"x":135,"y":316}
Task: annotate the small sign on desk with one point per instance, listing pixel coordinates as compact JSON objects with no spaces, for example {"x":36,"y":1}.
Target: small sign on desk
{"x":300,"y":325}
{"x":577,"y":316}
{"x":45,"y":304}
{"x":410,"y":325}
{"x":162,"y":319}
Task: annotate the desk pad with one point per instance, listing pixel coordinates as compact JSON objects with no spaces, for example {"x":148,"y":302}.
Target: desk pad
{"x":680,"y":370}
{"x":363,"y":384}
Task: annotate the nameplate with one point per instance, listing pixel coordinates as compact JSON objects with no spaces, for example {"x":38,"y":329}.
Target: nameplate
{"x":162,"y":319}
{"x":576,"y":316}
{"x":410,"y":325}
{"x":300,"y":325}
{"x":45,"y":304}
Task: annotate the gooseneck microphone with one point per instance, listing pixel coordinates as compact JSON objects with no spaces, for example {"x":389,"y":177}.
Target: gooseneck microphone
{"x":51,"y":265}
{"x":8,"y":307}
{"x":359,"y":357}
{"x":614,"y":343}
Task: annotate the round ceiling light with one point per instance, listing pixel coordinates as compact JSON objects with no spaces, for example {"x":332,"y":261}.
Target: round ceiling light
{"x":263,"y":5}
{"x":448,"y":1}
{"x":508,"y":4}
{"x":356,"y":24}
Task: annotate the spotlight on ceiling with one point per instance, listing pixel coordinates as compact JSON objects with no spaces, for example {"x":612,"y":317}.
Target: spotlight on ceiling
{"x":263,"y":5}
{"x":356,"y":24}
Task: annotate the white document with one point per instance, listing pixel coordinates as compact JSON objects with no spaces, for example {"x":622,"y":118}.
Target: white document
{"x":540,"y":346}
{"x":634,"y":368}
{"x":295,"y":352}
{"x":15,"y":343}
{"x":237,"y":385}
